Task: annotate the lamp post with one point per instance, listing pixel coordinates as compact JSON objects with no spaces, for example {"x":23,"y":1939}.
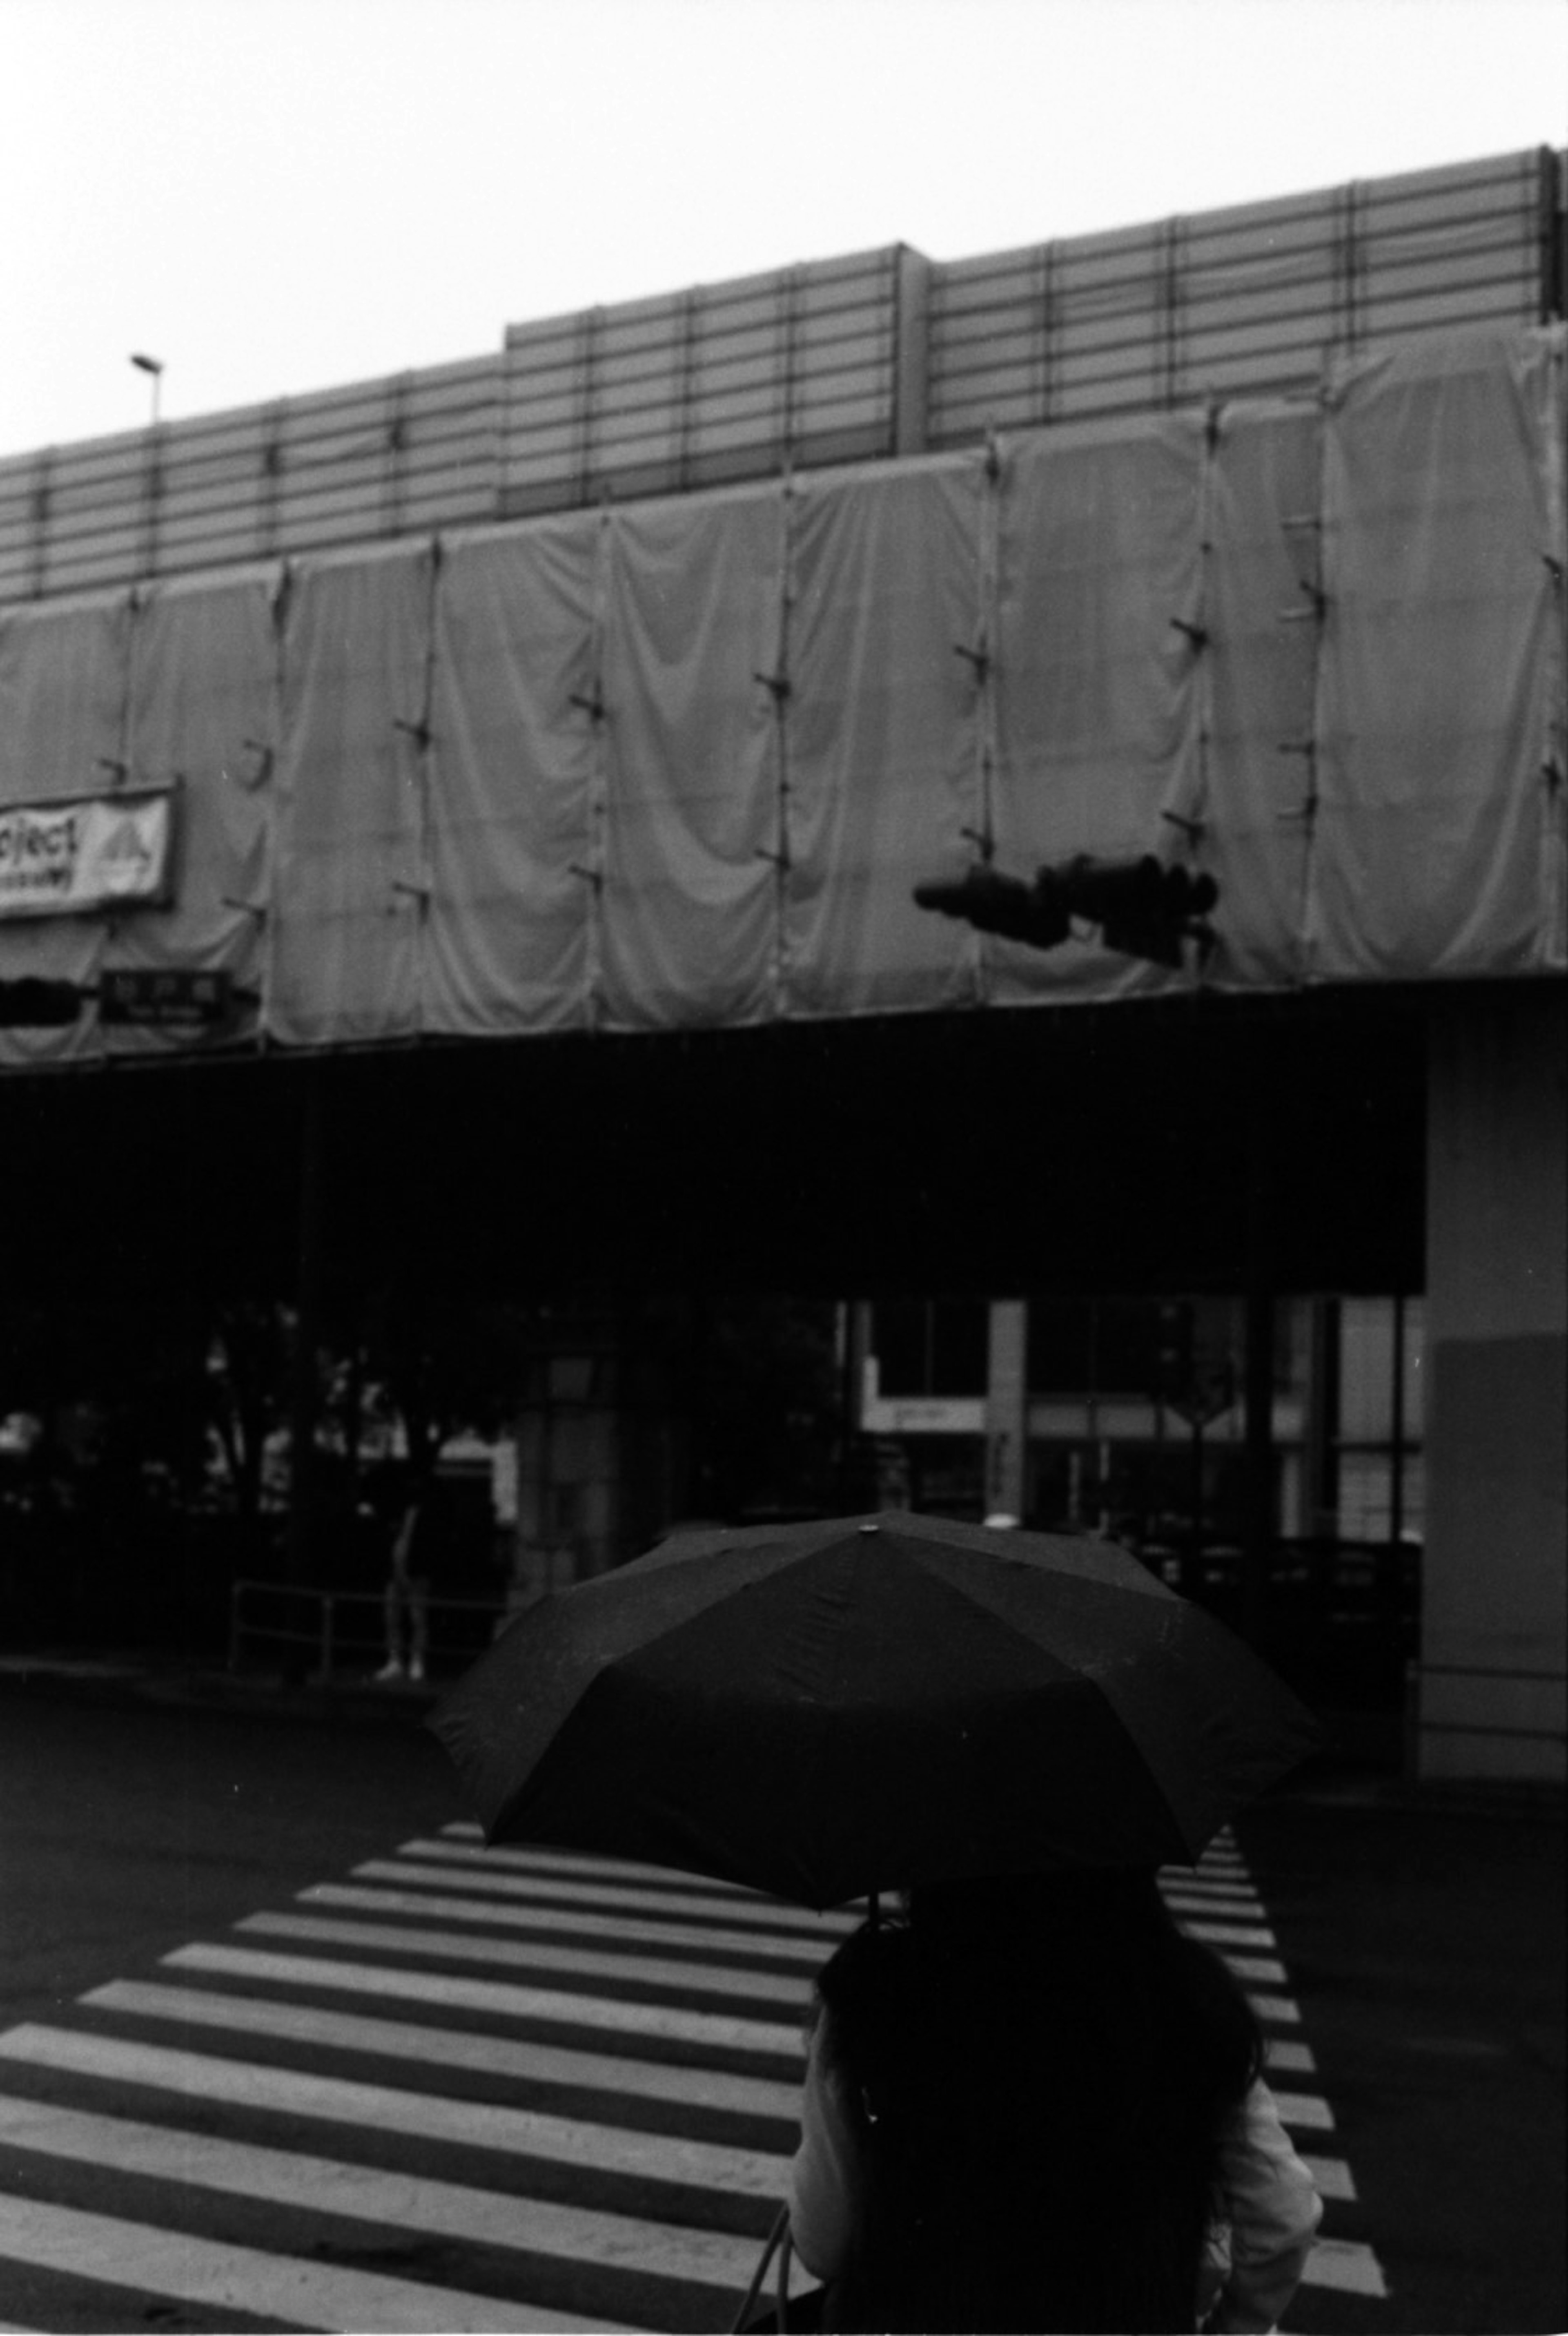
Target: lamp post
{"x":154,"y":366}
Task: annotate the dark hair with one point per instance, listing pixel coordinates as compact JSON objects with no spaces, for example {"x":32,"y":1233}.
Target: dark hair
{"x":1040,"y":2072}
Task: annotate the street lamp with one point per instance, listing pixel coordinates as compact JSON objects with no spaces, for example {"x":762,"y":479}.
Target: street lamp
{"x":154,"y":366}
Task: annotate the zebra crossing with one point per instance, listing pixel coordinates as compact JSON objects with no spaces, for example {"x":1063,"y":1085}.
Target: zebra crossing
{"x":470,"y":2089}
{"x":1219,"y":1903}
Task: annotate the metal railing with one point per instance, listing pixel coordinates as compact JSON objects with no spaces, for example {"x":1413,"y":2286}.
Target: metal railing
{"x":346,"y":1629}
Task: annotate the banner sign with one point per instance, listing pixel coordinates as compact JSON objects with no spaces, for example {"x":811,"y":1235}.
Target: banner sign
{"x":99,"y":851}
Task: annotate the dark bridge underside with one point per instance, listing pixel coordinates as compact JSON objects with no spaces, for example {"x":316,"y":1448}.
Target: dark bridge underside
{"x":1087,"y":1149}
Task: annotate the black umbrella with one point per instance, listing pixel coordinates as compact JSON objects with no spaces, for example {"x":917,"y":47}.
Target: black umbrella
{"x":819,"y":1710}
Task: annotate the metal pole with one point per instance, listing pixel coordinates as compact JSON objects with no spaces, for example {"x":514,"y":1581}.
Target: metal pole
{"x":1257,"y":1543}
{"x":1397,"y":1456}
{"x":1196,"y":1531}
{"x":328,"y":1616}
{"x":1006,"y":1407}
{"x":303,"y":1396}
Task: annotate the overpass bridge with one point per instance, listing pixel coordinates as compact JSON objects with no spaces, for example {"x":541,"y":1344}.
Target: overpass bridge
{"x":539,"y":848}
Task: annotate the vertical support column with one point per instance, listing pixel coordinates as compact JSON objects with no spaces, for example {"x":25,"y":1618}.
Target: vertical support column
{"x":1322,"y":1489}
{"x":40,"y":513}
{"x":1045,"y":354}
{"x":304,"y":1394}
{"x":1006,"y":1407}
{"x":153,"y":499}
{"x":1494,"y":1633}
{"x":530,"y":1567}
{"x":269,"y":479}
{"x":777,"y":683}
{"x":978,"y":654}
{"x":852,"y":1337}
{"x":424,"y":736}
{"x":591,"y":868}
{"x":586,"y":399}
{"x":1260,"y":1521}
{"x":1397,"y":1428}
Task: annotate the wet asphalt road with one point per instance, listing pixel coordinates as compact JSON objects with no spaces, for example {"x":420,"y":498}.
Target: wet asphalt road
{"x":126,"y":1831}
{"x":1425,"y":1941}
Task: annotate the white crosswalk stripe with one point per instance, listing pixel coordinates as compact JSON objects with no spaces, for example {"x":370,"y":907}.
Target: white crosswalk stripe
{"x":204,"y":2077}
{"x":476,"y":2110}
{"x":298,"y":2178}
{"x":1217,"y":1903}
{"x":194,"y":2270}
{"x":536,"y":1919}
{"x":655,"y":1971}
{"x":503,"y":1998}
{"x":450,"y":2048}
{"x":1233,"y":1934}
{"x":536,"y":1874}
{"x":463,"y":2089}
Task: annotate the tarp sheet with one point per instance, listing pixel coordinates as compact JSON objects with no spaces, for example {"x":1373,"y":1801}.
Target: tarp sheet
{"x":1245,"y":793}
{"x":1442,"y":566}
{"x":350,"y":881}
{"x":883,"y":737}
{"x":683,"y":763}
{"x":1097,"y":684}
{"x":63,"y":678}
{"x":203,"y":713}
{"x":686,"y":896}
{"x":514,"y":752}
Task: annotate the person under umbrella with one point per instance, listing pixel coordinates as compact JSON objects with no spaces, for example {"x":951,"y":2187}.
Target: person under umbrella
{"x":1028,"y":2097}
{"x":820,"y":1710}
{"x":1033,"y":2103}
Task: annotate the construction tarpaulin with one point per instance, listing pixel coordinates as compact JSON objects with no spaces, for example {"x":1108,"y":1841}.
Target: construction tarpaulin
{"x":1096,"y":680}
{"x":350,"y":885}
{"x":513,"y":749}
{"x":1245,"y":796}
{"x":682,"y":763}
{"x":882,"y":736}
{"x":1437,"y":782}
{"x":203,"y":717}
{"x":63,"y":684}
{"x":686,"y":789}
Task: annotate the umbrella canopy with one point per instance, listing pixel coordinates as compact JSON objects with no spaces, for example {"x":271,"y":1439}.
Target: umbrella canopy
{"x":823,"y":1710}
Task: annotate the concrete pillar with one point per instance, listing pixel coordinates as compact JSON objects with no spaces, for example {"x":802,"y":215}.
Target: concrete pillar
{"x":301,"y":1554}
{"x":1491,"y":1686}
{"x":1006,"y":1407}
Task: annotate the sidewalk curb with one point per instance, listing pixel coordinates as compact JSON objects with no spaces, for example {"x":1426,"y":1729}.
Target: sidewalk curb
{"x":134,"y":1677}
{"x":1498,"y":1800}
{"x":126,"y":1681}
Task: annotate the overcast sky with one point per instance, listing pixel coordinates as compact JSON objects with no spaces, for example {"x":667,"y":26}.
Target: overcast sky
{"x":275,"y":196}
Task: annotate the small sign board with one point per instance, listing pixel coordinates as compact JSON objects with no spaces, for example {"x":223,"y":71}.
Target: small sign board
{"x":158,"y":995}
{"x":90,"y":853}
{"x":1209,"y":1393}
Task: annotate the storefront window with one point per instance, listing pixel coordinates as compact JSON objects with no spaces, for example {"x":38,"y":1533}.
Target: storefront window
{"x":929,"y":1346}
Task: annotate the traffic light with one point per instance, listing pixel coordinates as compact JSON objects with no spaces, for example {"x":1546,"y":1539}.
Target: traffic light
{"x":32,"y":1004}
{"x":993,"y":903}
{"x":1174,"y":1351}
{"x":1142,"y":907}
